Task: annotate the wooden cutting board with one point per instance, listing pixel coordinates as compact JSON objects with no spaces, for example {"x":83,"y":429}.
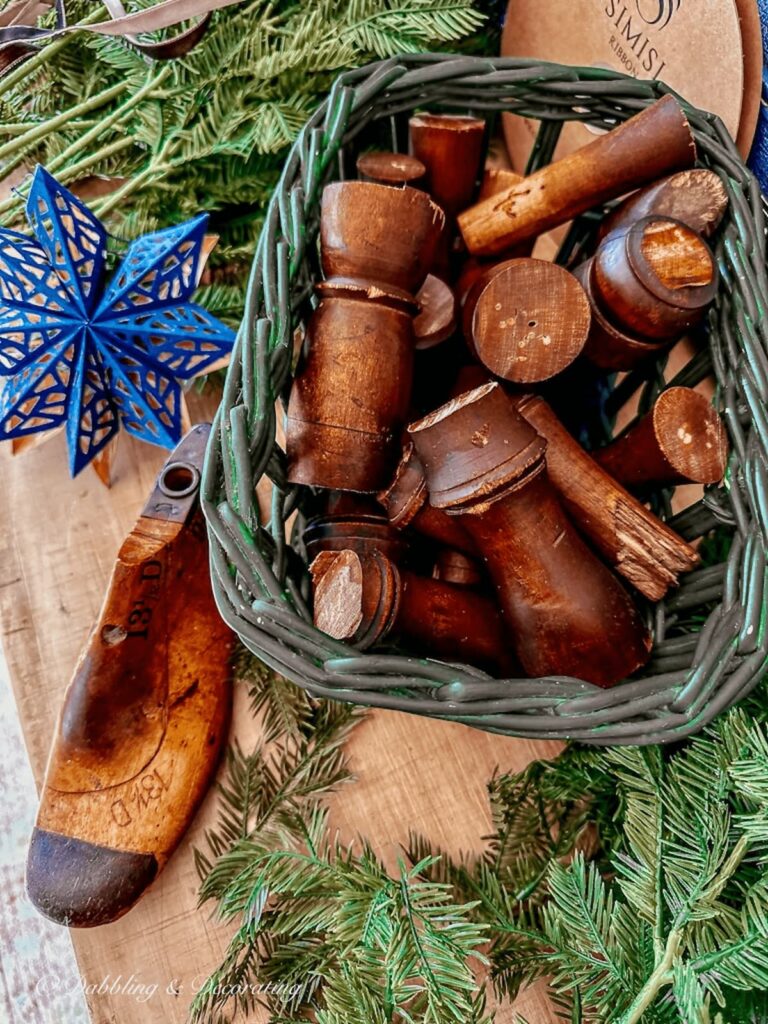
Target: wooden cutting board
{"x":57,"y":547}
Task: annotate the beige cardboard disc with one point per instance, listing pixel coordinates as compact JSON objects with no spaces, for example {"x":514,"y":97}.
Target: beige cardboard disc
{"x":694,"y":46}
{"x":752,"y":43}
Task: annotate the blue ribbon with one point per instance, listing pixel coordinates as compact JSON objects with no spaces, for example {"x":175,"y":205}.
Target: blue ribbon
{"x":758,"y":158}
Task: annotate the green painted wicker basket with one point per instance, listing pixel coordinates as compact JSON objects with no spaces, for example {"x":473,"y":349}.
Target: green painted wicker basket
{"x":710,"y":643}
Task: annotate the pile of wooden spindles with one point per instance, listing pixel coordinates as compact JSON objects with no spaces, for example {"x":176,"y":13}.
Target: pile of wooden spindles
{"x":458,"y":518}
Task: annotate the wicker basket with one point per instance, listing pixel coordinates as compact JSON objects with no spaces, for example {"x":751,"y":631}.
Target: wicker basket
{"x":710,"y":644}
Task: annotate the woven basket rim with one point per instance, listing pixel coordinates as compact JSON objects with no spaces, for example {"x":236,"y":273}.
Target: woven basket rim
{"x":258,"y":580}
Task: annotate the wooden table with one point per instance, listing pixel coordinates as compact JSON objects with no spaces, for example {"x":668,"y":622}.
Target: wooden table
{"x":58,"y":542}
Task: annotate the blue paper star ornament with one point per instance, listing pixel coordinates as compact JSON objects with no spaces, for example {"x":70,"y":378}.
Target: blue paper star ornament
{"x":94,"y":354}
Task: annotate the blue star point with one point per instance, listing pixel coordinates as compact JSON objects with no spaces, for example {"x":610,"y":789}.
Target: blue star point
{"x":97,"y":354}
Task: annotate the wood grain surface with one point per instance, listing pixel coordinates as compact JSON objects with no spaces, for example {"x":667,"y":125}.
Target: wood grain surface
{"x":682,"y":439}
{"x":526,"y":319}
{"x":58,"y":544}
{"x":654,"y":142}
{"x":641,"y":547}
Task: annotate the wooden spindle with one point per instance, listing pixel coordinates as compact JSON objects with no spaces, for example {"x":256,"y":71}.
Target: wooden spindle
{"x":568,"y":614}
{"x":495,"y":181}
{"x":638,"y":544}
{"x":379,"y":233}
{"x":351,"y":396}
{"x":696,"y":197}
{"x":451,"y":149}
{"x":655,"y":279}
{"x":436,"y":320}
{"x":526,"y":320}
{"x":366,"y":599}
{"x":362,"y":533}
{"x":655,"y":142}
{"x":608,"y":346}
{"x":406,"y":503}
{"x":396,"y":169}
{"x":681,"y":440}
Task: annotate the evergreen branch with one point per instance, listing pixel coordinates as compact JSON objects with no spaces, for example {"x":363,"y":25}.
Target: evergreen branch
{"x":149,"y":88}
{"x":678,"y":923}
{"x":46,"y":53}
{"x":582,"y":920}
{"x":662,"y":976}
{"x":328,"y":894}
{"x":284,"y":708}
{"x":44,"y":128}
{"x":358,"y":943}
{"x":269,"y":791}
{"x":215,"y":132}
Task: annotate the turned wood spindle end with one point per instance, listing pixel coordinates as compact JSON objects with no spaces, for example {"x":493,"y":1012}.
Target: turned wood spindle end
{"x":407,"y":493}
{"x":677,"y":255}
{"x":363,"y":533}
{"x":337,"y":580}
{"x":450,"y":146}
{"x":691,"y":435}
{"x":437,"y":320}
{"x":387,"y":168}
{"x":356,"y":597}
{"x":526,"y":319}
{"x":655,"y":278}
{"x":682,"y":440}
{"x":406,"y":502}
{"x":483,"y":429}
{"x":696,"y":197}
{"x":379,"y":232}
{"x":607,"y":346}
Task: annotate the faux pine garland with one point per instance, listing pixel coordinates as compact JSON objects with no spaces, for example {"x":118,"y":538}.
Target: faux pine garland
{"x":634,"y":879}
{"x":208,"y":131}
{"x":671,"y":925}
{"x":322,"y":926}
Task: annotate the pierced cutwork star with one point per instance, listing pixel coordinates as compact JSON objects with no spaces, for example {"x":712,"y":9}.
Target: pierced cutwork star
{"x":91,"y":353}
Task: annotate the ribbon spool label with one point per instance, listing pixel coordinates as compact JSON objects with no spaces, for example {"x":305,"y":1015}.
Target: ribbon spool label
{"x":681,"y":42}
